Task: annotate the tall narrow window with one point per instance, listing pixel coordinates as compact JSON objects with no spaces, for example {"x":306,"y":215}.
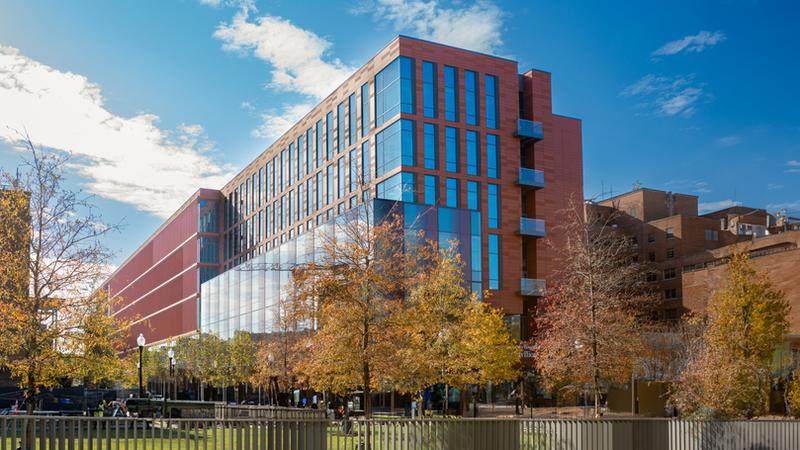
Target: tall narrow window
{"x":318,"y":146}
{"x":340,"y":184}
{"x":329,"y":136}
{"x":340,"y":118}
{"x":431,"y":189}
{"x":290,"y":165}
{"x":352,"y":115}
{"x":290,"y":211}
{"x":493,"y":200}
{"x":353,"y":176}
{"x":329,"y":184}
{"x":366,"y":167}
{"x":451,"y":199}
{"x":430,"y":142}
{"x":394,"y":90}
{"x":270,"y":179}
{"x":260,"y":185}
{"x":309,"y":198}
{"x":473,"y":156}
{"x":450,"y":94}
{"x":309,"y":144}
{"x":492,"y":157}
{"x":471,"y":96}
{"x":281,"y":176}
{"x":318,"y":191}
{"x":364,"y":109}
{"x":394,"y":146}
{"x":451,"y":149}
{"x":300,"y":199}
{"x":473,"y":195}
{"x":476,"y":260}
{"x":491,"y":101}
{"x":429,"y":89}
{"x":300,"y":155}
{"x":494,"y":261}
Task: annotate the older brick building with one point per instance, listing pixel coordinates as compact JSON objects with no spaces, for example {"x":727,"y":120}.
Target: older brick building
{"x":460,"y":136}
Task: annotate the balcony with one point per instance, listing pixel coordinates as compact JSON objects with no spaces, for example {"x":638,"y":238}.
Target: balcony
{"x":529,"y":130}
{"x":531,"y":227}
{"x":532,"y":287}
{"x":531,"y":178}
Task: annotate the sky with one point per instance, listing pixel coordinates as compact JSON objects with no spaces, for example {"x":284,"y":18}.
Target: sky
{"x":155,"y":98}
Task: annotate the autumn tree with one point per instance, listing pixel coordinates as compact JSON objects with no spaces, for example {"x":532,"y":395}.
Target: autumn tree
{"x":356,"y":283}
{"x":48,"y":306}
{"x":242,"y":351}
{"x":450,"y":337}
{"x":280,"y":352}
{"x":729,"y":373}
{"x":590,"y":325}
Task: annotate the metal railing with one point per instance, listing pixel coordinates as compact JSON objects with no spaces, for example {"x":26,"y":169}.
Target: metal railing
{"x":223,"y":411}
{"x":531,"y":177}
{"x":96,"y":433}
{"x":530,"y":129}
{"x":108,"y":433}
{"x":531,"y":227}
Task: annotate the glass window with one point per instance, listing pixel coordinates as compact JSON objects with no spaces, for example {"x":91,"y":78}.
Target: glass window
{"x":329,"y":185}
{"x":351,"y":123}
{"x":473,"y":195}
{"x":429,"y":89}
{"x":494,"y":261}
{"x":450,"y":94}
{"x":340,"y":117}
{"x":340,"y":182}
{"x":353,"y":176}
{"x":364,"y":109}
{"x":430,"y":142}
{"x":493,"y":199}
{"x":281,"y":175}
{"x":473,"y":156}
{"x":319,"y":191}
{"x":492,"y":157}
{"x":300,"y":155}
{"x":471,"y":96}
{"x":291,"y":164}
{"x":451,"y":149}
{"x":394,"y":146}
{"x":329,"y":136}
{"x":309,"y":143}
{"x":452,"y":193}
{"x":290,"y":210}
{"x":431,"y":189}
{"x":394,"y":90}
{"x":476,"y":261}
{"x":398,"y":187}
{"x":319,"y":144}
{"x":670,"y":232}
{"x":366,"y":167}
{"x":309,"y":202}
{"x":491,"y":101}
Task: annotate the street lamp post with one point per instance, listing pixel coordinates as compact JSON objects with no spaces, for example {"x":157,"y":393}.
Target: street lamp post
{"x":171,"y":354}
{"x":140,"y":341}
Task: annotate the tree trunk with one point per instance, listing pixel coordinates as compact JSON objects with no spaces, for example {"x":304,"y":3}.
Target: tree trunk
{"x":446,"y":399}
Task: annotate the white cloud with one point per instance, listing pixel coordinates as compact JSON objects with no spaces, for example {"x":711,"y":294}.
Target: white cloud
{"x":774,"y":186}
{"x":728,"y":141}
{"x":794,"y":166}
{"x":247,"y":106}
{"x":716,"y":206}
{"x":698,"y":186}
{"x":127,"y":159}
{"x":691,"y":44}
{"x":667,"y":96}
{"x":276,"y":122}
{"x":297,"y":56}
{"x":476,"y":27}
{"x":793,"y":163}
{"x":791,"y":207}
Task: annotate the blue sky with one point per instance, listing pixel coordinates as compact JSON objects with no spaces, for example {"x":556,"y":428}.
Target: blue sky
{"x":156,"y":98}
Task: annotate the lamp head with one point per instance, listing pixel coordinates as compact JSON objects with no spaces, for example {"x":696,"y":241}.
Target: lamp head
{"x":140,"y":341}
